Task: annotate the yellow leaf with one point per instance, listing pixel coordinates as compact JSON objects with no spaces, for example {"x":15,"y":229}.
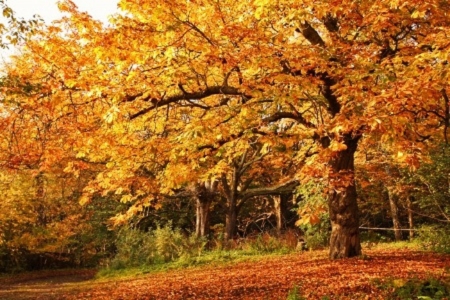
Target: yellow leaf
{"x":337,"y":146}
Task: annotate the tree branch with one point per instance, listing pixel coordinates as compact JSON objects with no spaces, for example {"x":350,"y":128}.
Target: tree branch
{"x":310,"y":34}
{"x":209,"y":91}
{"x":283,"y":188}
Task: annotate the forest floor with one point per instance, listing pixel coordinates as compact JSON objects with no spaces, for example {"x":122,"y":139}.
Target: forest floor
{"x":367,"y":277}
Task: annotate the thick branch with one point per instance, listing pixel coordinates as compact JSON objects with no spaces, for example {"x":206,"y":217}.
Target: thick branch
{"x":331,"y":23}
{"x":283,"y":188}
{"x":213,"y":90}
{"x":310,"y":34}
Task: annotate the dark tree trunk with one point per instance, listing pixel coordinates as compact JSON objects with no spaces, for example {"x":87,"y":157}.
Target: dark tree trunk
{"x":231,"y":219}
{"x":231,"y":193}
{"x":343,"y":206}
{"x":394,"y":214}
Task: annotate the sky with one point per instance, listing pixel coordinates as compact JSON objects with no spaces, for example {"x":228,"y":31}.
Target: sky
{"x":48,"y":10}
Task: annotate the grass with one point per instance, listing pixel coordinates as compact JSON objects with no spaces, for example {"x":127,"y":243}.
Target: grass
{"x":413,"y":245}
{"x":220,"y":257}
{"x":208,"y":258}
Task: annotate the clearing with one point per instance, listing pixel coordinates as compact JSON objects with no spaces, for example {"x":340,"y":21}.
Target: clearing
{"x":269,"y":278}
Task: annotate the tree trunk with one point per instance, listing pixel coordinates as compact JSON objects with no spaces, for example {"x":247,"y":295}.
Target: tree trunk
{"x":280,"y":206}
{"x":231,"y":219}
{"x":394,"y":214}
{"x":231,"y":193}
{"x":410,"y":216}
{"x":342,"y":203}
{"x":39,"y":198}
{"x":202,"y":219}
{"x":205,"y":193}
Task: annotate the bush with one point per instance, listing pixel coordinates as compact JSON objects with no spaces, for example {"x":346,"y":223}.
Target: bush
{"x":265,"y":243}
{"x":435,"y":238}
{"x":430,"y":288}
{"x":317,"y":236}
{"x":164,"y":244}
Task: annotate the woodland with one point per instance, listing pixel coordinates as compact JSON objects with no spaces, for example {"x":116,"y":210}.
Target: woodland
{"x":181,"y":128}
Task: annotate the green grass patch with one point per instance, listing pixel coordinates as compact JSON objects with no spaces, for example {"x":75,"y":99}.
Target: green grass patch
{"x":207,"y":258}
{"x":294,"y":294}
{"x":414,"y":245}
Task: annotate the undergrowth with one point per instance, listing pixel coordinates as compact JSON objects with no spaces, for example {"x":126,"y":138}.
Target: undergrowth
{"x":426,"y":289}
{"x":166,"y":248}
{"x":435,"y":238}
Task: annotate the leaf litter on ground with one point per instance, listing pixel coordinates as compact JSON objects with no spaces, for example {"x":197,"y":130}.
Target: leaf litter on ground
{"x":313,"y":273}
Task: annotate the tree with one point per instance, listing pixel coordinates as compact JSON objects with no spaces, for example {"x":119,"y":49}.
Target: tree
{"x":188,"y":84}
{"x":14,"y":29}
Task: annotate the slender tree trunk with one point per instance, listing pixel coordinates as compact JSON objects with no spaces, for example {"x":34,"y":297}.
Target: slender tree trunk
{"x":394,"y":214}
{"x":203,"y":213}
{"x":39,"y":197}
{"x":231,"y":193}
{"x":280,"y":206}
{"x":343,"y":206}
{"x":231,"y":219}
{"x":205,"y":193}
{"x":278,"y":212}
{"x":410,"y":216}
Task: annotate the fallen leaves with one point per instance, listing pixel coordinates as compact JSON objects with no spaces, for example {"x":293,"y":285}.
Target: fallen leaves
{"x":270,"y":278}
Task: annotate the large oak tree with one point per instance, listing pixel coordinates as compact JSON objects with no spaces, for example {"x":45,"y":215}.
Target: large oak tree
{"x":177,"y":90}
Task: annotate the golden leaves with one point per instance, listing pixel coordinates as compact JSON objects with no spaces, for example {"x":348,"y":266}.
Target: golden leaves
{"x":337,"y":146}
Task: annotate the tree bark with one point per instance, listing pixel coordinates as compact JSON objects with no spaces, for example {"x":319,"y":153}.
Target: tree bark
{"x":343,"y":206}
{"x":394,"y":214}
{"x":410,"y":216}
{"x":205,"y":193}
{"x":202,"y":218}
{"x":231,"y":193}
{"x":280,"y":207}
{"x":231,"y":219}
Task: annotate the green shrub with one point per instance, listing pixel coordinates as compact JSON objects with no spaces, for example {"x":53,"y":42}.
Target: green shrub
{"x":435,"y":238}
{"x":317,"y":236}
{"x":161,"y":245}
{"x":430,"y":289}
{"x":265,"y":243}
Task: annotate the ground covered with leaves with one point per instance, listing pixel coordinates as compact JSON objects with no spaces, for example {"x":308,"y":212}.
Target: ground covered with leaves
{"x":372,"y":276}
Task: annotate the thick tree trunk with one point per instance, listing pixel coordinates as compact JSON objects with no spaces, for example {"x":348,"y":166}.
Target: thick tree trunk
{"x":343,"y":206}
{"x":410,"y":216}
{"x":394,"y":214}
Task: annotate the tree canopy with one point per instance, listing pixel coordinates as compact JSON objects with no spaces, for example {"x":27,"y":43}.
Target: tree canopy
{"x":250,"y":94}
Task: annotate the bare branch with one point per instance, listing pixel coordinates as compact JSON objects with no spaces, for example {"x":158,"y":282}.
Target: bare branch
{"x":283,"y":188}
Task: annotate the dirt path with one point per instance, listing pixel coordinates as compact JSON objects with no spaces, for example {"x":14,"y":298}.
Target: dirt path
{"x":271,"y":278}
